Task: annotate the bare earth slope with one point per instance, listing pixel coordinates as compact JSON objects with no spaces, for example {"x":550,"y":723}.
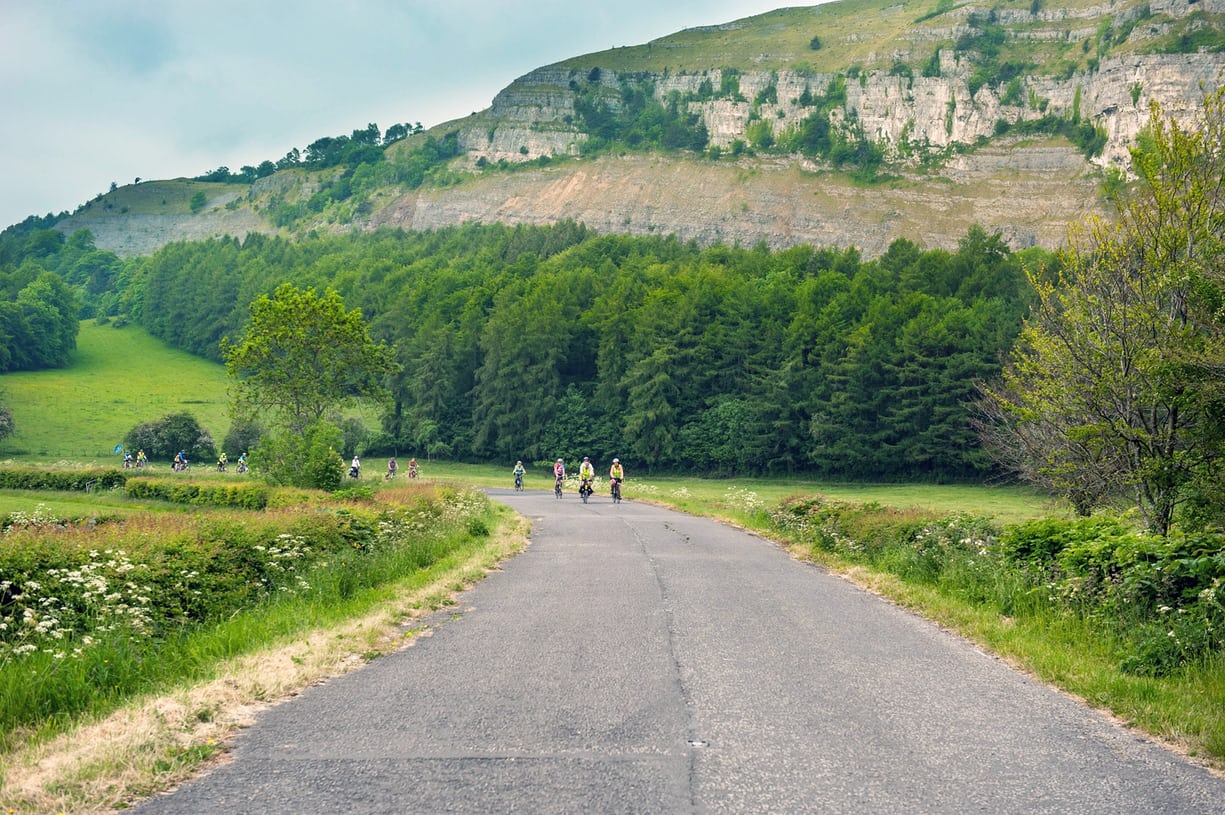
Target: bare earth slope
{"x":1030,"y":192}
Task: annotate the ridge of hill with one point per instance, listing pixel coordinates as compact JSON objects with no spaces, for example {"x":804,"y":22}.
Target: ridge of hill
{"x":851,"y":123}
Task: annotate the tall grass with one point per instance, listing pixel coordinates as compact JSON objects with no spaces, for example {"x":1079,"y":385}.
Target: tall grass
{"x":90,"y":661}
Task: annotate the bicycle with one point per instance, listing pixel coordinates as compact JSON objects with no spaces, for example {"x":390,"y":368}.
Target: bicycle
{"x":557,"y":487}
{"x":585,"y":490}
{"x":616,"y":490}
{"x":518,"y":482}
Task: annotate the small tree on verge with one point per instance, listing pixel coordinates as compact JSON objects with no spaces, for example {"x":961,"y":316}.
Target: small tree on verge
{"x":303,"y":358}
{"x":1115,"y":388}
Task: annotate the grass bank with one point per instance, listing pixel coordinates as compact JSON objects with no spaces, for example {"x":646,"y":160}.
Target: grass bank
{"x":91,"y":723}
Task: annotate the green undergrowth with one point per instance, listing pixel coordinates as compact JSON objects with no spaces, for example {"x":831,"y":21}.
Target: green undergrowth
{"x":93,"y":614}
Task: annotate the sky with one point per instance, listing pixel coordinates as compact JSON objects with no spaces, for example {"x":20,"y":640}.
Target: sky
{"x":100,"y":91}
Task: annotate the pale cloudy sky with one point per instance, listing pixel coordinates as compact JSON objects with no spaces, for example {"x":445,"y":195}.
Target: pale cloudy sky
{"x":95,"y":91}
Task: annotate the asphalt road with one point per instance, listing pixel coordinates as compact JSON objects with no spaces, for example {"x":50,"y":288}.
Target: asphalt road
{"x":636,"y":660}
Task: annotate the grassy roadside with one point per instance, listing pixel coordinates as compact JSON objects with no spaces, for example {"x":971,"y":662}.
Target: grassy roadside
{"x":101,"y":764}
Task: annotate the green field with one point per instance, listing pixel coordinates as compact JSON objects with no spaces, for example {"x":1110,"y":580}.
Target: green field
{"x":729,"y":497}
{"x":119,"y":377}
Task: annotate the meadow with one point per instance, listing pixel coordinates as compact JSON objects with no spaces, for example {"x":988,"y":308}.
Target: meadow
{"x":119,"y":377}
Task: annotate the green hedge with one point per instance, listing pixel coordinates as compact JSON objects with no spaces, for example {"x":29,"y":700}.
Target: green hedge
{"x":29,"y":478}
{"x":1160,"y":600}
{"x":247,"y":495}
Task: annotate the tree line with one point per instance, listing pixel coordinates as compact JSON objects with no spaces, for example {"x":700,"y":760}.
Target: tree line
{"x":42,"y":280}
{"x":538,"y":342}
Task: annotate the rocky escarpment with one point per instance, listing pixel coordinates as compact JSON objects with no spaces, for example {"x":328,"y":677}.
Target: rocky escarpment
{"x":907,"y":115}
{"x":1028,"y":191}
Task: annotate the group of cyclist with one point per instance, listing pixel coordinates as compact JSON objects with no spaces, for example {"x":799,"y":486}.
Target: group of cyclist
{"x":586,"y":477}
{"x":393,"y":467}
{"x":139,"y":460}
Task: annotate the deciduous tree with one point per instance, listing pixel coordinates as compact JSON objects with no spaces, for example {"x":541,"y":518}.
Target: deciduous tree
{"x":1115,"y":388}
{"x":303,"y":358}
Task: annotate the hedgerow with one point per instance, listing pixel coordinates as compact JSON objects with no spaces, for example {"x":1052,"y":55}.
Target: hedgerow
{"x":249,"y":495}
{"x":30,"y":478}
{"x":83,"y":603}
{"x":1159,"y":600}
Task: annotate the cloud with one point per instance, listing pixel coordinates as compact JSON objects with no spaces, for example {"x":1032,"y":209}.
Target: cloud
{"x":100,"y":92}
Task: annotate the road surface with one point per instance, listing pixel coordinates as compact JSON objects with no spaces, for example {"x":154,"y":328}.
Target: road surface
{"x":636,"y":660}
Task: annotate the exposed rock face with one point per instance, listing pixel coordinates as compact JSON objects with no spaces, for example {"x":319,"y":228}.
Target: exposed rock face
{"x":535,"y":116}
{"x":1029,"y":192}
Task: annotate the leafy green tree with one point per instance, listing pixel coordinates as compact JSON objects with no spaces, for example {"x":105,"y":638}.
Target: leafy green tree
{"x":305,"y":458}
{"x":1115,"y":389}
{"x":304,"y":357}
{"x":171,"y":434}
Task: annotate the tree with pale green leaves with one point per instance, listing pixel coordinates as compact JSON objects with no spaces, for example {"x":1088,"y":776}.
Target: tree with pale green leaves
{"x":304,"y":359}
{"x":1114,"y":391}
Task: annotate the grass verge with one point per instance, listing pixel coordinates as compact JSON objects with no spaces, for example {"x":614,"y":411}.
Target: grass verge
{"x":107,"y":762}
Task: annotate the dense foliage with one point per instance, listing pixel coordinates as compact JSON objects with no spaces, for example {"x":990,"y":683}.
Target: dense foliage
{"x":43,"y":279}
{"x":171,"y":434}
{"x":92,"y":613}
{"x":541,"y":342}
{"x":1155,"y":604}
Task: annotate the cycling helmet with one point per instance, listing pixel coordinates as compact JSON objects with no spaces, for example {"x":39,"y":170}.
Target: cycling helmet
{"x":559,"y":461}
{"x":586,"y":459}
{"x":616,"y":461}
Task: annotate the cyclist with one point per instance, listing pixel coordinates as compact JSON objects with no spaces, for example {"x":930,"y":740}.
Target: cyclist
{"x":242,"y":462}
{"x":559,"y":475}
{"x":392,"y":466}
{"x":355,"y":469}
{"x":412,"y":468}
{"x":222,"y":461}
{"x":141,"y":459}
{"x":519,"y":471}
{"x":616,"y":474}
{"x":586,"y":474}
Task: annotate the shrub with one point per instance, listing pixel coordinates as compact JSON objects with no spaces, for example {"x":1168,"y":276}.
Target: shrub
{"x":243,"y":437}
{"x":308,"y":459}
{"x":31,"y":478}
{"x":240,"y":496}
{"x":170,"y":434}
{"x":1160,"y":601}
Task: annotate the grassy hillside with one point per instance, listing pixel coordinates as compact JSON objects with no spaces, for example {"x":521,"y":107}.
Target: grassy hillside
{"x":879,"y":34}
{"x":117,"y":379}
